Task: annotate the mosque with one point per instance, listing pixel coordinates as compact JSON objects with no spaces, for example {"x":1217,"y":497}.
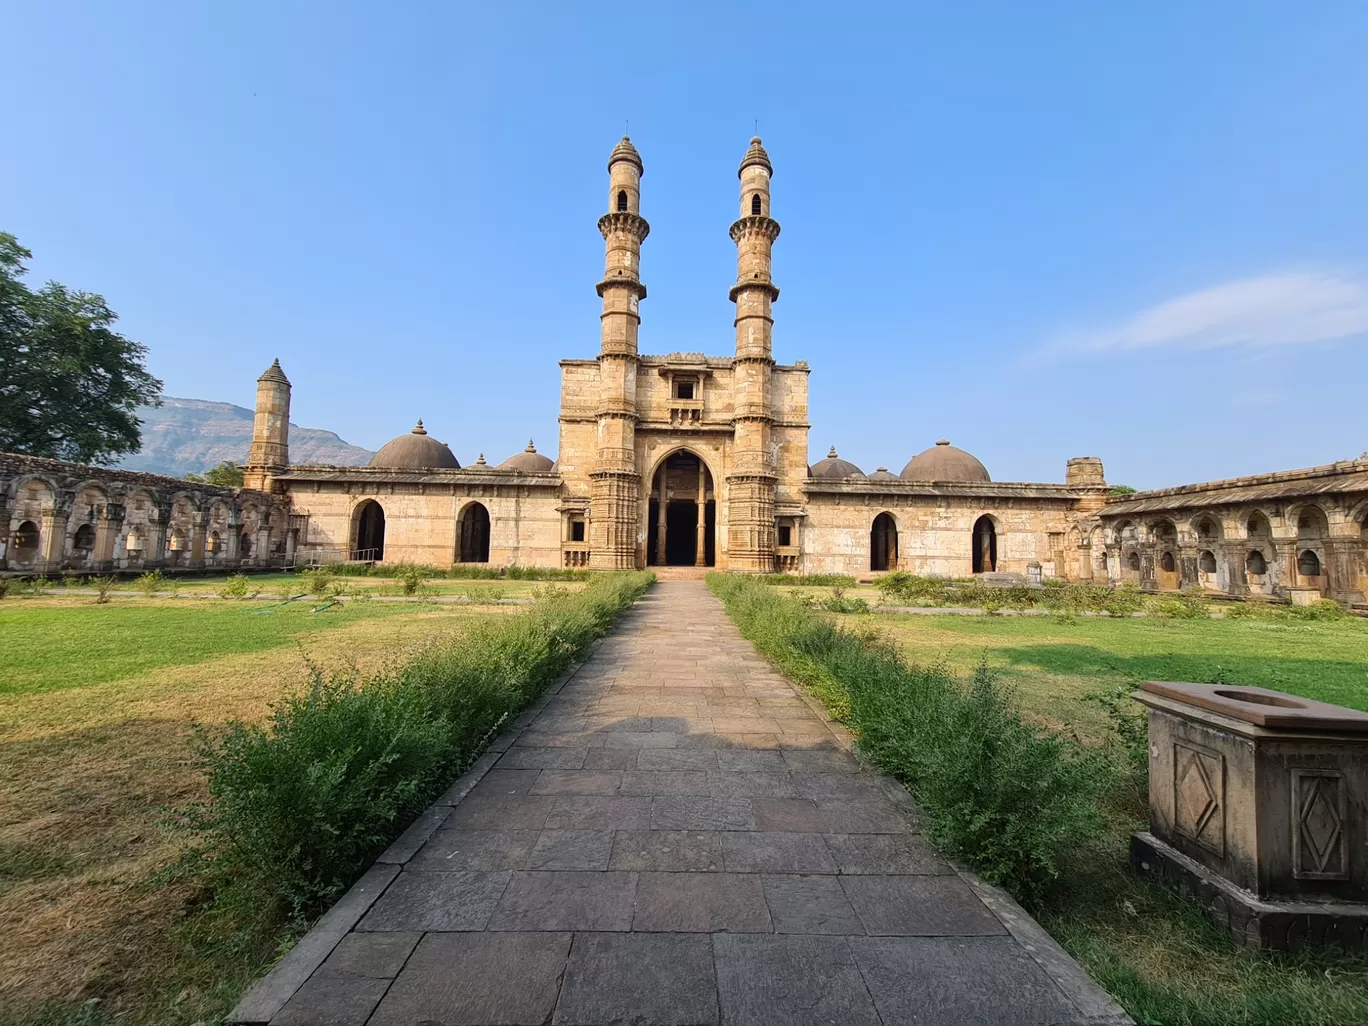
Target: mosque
{"x":687,"y":459}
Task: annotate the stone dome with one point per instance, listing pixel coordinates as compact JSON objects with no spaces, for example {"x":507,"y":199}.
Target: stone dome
{"x":884,"y":474}
{"x":943,"y":462}
{"x":833,"y":468}
{"x":416,"y":450}
{"x":626,"y":151}
{"x":529,"y":461}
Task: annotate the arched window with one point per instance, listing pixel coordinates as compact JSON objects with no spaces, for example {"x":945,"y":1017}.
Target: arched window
{"x":84,"y":540}
{"x":1255,"y":562}
{"x":622,"y":200}
{"x":245,"y":546}
{"x":1166,"y":563}
{"x":1206,"y":562}
{"x":474,"y":534}
{"x":755,"y":205}
{"x":883,"y":543}
{"x":1311,"y":523}
{"x":985,"y":545}
{"x":370,"y":532}
{"x":26,"y":543}
{"x":1309,"y":564}
{"x":1133,"y":561}
{"x":1257,"y":526}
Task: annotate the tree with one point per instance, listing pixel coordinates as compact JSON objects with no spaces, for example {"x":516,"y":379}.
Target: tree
{"x":1121,"y":490}
{"x":226,"y":475}
{"x":69,"y":383}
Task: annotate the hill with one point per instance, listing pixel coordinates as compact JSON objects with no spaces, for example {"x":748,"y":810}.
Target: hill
{"x":186,"y":436}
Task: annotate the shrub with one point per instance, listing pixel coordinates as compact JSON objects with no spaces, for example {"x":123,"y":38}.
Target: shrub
{"x":301,"y":805}
{"x":486,"y":593}
{"x":995,"y":790}
{"x":809,"y":580}
{"x":149,"y":582}
{"x":4,"y":586}
{"x":411,"y":576}
{"x":235,"y":587}
{"x":103,"y":586}
{"x":319,"y":579}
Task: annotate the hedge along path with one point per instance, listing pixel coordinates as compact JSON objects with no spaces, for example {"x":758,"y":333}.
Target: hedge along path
{"x":673,"y":835}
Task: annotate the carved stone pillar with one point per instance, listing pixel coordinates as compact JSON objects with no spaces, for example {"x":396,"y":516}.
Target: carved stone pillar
{"x":262,"y":551}
{"x":231,"y":558}
{"x":158,"y":523}
{"x":661,"y":520}
{"x":199,"y":526}
{"x":108,"y":524}
{"x":6,"y":534}
{"x":701,"y":541}
{"x":53,"y":539}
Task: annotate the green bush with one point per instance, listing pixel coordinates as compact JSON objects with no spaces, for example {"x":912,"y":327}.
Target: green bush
{"x":4,"y":586}
{"x":238,"y":586}
{"x":301,"y":805}
{"x":103,"y":586}
{"x":1006,"y":796}
{"x":809,"y":580}
{"x":319,"y":579}
{"x":149,"y":582}
{"x":411,"y":576}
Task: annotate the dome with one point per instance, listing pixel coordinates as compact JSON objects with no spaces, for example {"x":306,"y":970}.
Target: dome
{"x":833,"y":468}
{"x":943,"y":462}
{"x":755,"y":155}
{"x":884,"y":474}
{"x":416,"y":450}
{"x":626,"y":151}
{"x":529,"y":461}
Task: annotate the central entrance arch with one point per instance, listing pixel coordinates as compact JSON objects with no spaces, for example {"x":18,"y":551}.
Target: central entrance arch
{"x":985,"y":545}
{"x":474,"y":529}
{"x":682,"y":513}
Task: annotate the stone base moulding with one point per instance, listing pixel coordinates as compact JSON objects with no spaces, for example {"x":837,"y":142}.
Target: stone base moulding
{"x":1259,"y":925}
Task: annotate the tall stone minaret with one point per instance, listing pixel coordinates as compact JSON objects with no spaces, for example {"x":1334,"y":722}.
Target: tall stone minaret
{"x":751,"y":483}
{"x":270,"y":452}
{"x":615,"y":489}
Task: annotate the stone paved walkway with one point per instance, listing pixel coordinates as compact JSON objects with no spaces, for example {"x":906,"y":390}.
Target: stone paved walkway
{"x":678,"y":838}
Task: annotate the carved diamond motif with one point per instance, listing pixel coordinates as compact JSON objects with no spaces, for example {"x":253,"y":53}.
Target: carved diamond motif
{"x":1319,"y":838}
{"x":1198,"y":787}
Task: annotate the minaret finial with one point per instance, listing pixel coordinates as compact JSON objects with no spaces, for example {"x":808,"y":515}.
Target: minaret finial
{"x":832,"y":455}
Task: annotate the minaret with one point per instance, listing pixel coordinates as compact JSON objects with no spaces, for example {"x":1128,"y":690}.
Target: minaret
{"x":751,"y":483}
{"x":615,"y":493}
{"x":270,"y":452}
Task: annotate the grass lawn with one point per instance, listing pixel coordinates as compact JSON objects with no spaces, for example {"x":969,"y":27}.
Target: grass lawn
{"x":272,"y":585}
{"x":96,"y":707}
{"x":1159,"y":955}
{"x":1053,"y":662}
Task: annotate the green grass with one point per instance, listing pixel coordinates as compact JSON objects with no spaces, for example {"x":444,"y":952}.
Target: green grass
{"x":54,"y":644}
{"x":1053,"y":661}
{"x":1156,"y":953}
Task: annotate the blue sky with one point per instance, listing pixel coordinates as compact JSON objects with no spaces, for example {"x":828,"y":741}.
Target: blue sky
{"x":1040,"y":230}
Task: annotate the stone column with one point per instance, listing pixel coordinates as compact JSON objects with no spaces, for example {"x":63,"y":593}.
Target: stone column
{"x":289,"y":547}
{"x":158,"y":523}
{"x":701,"y":543}
{"x":661,"y":522}
{"x":262,"y":552}
{"x":53,"y":530}
{"x":199,"y":525}
{"x":230,"y":544}
{"x":6,"y":533}
{"x":1286,"y":550}
{"x":108,"y":524}
{"x":1233,"y":553}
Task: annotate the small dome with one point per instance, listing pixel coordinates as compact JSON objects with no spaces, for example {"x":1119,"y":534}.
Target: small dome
{"x":626,"y":151}
{"x":833,"y":468}
{"x":755,"y":155}
{"x":274,"y":373}
{"x":529,"y":461}
{"x":884,"y":474}
{"x":943,"y":462}
{"x":416,"y":450}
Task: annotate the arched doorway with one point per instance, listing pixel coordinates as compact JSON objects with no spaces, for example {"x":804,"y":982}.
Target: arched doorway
{"x":681,"y":513}
{"x":26,"y":543}
{"x":883,"y":543}
{"x":985,"y":545}
{"x":474,"y":534}
{"x":83,"y":545}
{"x":370,"y":532}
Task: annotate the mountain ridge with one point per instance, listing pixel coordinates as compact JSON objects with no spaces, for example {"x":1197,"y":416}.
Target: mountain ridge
{"x":187,"y":436}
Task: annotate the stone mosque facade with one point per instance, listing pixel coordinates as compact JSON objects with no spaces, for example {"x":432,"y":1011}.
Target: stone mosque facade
{"x":688,"y":459}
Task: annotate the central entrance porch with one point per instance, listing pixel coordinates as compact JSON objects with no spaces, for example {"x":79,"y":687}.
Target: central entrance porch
{"x":681,"y":513}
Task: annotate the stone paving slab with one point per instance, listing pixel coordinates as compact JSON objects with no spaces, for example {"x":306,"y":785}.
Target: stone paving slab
{"x":676,"y":835}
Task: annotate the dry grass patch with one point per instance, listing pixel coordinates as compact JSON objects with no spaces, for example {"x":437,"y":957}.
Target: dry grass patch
{"x":88,"y":782}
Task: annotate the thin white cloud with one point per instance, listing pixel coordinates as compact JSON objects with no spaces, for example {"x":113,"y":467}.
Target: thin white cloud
{"x":1274,"y":310}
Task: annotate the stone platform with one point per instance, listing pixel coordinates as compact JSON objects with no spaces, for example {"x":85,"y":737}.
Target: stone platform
{"x":674,"y":835}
